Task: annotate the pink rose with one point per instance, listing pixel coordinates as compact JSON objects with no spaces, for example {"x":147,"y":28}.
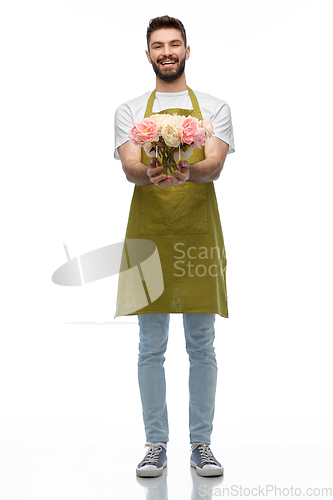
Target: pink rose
{"x":208,"y":127}
{"x":190,"y":127}
{"x":199,"y":139}
{"x":144,"y":131}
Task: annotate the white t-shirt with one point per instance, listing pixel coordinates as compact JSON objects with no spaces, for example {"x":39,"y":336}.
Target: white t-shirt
{"x":216,"y":111}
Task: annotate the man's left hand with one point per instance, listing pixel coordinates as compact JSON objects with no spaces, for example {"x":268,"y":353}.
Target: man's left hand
{"x":181,"y":175}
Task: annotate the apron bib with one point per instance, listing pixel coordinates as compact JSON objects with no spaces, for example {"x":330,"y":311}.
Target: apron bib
{"x":184,"y":223}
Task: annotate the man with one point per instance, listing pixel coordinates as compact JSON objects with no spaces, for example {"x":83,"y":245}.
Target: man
{"x":179,"y":214}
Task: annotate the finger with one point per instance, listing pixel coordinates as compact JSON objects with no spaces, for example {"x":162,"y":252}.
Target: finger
{"x":184,"y":164}
{"x":175,"y":181}
{"x":180,"y":175}
{"x":164,"y":183}
{"x":156,"y":170}
{"x":158,"y":178}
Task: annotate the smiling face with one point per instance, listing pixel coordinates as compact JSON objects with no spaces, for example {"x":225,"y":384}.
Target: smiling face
{"x":167,"y":53}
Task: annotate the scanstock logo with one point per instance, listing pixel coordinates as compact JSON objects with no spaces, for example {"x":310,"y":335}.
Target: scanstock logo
{"x":136,"y":261}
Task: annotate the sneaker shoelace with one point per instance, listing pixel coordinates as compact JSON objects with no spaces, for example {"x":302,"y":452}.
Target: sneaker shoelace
{"x":206,"y":455}
{"x":152,"y":454}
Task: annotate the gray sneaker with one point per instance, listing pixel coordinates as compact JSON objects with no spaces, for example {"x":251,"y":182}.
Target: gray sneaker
{"x":203,"y":460}
{"x":154,"y":461}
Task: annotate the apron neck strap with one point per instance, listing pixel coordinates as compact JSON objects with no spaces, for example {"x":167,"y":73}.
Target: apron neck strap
{"x":150,"y":104}
{"x":196,"y":110}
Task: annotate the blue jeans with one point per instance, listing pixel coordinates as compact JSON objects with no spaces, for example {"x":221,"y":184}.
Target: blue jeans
{"x":199,"y":336}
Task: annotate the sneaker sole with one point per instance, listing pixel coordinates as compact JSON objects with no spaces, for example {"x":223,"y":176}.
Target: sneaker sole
{"x":207,"y":471}
{"x":153,"y":472}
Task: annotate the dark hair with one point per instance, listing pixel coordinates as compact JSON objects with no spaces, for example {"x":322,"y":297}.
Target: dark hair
{"x":165,"y":22}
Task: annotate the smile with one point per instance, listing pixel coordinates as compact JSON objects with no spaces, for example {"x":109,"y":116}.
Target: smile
{"x":168,"y":63}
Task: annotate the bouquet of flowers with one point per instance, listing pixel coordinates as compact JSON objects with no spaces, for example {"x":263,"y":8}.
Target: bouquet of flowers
{"x":171,"y":137}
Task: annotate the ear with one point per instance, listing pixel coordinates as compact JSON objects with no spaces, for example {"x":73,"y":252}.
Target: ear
{"x":148,"y":56}
{"x":187,"y":52}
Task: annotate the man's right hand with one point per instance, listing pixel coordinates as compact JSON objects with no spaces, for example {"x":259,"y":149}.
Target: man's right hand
{"x":138,"y":172}
{"x":153,"y":170}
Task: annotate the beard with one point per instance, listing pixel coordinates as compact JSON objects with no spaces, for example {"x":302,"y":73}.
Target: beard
{"x":169,"y":75}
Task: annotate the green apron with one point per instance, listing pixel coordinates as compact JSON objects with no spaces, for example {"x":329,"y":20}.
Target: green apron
{"x":183,"y":221}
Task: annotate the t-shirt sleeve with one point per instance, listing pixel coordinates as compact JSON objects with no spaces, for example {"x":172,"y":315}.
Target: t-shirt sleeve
{"x":123,"y":122}
{"x":222,"y":123}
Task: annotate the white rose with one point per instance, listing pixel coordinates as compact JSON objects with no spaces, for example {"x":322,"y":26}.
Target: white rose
{"x":170,"y":136}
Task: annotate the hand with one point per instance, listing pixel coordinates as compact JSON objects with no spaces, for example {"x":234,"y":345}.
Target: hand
{"x":152,"y":171}
{"x":181,"y":175}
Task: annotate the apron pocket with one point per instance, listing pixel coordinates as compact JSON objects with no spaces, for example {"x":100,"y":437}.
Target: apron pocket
{"x":174,"y":209}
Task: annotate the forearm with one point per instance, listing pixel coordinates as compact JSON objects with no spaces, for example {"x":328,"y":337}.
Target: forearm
{"x":136,"y":172}
{"x":206,"y":170}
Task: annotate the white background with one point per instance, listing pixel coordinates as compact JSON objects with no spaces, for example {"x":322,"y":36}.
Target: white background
{"x":71,"y":424}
